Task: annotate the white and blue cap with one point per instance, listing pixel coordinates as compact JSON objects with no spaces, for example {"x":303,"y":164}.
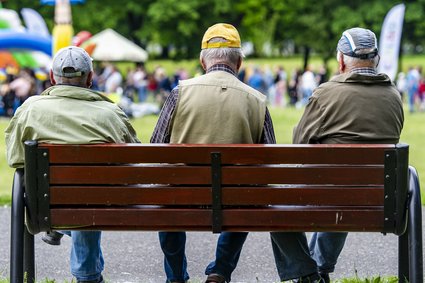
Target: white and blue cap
{"x":71,"y":62}
{"x":359,"y":43}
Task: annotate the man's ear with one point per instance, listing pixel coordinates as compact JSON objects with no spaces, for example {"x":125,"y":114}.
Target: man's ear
{"x":89,"y":79}
{"x":52,"y":78}
{"x":377,"y":63}
{"x":203,"y":64}
{"x":341,"y":63}
{"x":239,"y":64}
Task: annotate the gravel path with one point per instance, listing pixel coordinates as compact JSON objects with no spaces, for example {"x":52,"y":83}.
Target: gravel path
{"x":136,"y":256}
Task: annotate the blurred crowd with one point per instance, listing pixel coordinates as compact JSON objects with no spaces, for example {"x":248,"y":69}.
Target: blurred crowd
{"x":16,"y":85}
{"x":411,"y":86}
{"x":140,"y":92}
{"x":283,"y":89}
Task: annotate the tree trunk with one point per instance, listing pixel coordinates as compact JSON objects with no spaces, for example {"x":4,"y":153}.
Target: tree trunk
{"x":306,"y":56}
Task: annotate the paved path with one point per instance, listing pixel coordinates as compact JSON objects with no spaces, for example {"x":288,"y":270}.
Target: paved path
{"x":136,"y":257}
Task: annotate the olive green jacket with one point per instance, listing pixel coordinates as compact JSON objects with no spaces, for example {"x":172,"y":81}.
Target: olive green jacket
{"x":352,"y":108}
{"x":66,"y":115}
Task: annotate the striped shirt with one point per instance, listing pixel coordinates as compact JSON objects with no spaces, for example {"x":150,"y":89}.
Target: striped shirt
{"x":162,"y":135}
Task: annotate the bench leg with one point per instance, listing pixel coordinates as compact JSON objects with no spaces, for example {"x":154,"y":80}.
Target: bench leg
{"x":403,"y":258}
{"x":17,"y":229}
{"x":29,"y":267}
{"x":414,"y":227}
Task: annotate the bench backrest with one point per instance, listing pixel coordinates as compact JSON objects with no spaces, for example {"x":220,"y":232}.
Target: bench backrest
{"x":216,"y":187}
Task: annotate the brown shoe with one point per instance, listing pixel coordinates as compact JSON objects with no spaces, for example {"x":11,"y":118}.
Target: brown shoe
{"x":215,"y":278}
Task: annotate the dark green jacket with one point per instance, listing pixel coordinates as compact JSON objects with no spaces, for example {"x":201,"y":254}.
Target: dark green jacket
{"x":352,"y":108}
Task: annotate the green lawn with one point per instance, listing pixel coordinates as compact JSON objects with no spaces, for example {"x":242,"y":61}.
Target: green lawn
{"x":378,"y":279}
{"x":284,"y":120}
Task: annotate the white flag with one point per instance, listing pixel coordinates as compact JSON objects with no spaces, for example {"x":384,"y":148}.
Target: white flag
{"x":389,"y":41}
{"x":34,"y":22}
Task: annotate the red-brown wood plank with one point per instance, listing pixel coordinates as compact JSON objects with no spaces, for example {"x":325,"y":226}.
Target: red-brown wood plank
{"x":304,"y":195}
{"x":277,"y":219}
{"x":202,"y":175}
{"x":129,"y":174}
{"x":302,"y":175}
{"x":148,"y":216}
{"x":130,"y":195}
{"x":231,"y":154}
{"x":168,"y":195}
{"x":308,"y":219}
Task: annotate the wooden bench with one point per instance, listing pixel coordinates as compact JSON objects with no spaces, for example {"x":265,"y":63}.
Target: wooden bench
{"x":164,"y":187}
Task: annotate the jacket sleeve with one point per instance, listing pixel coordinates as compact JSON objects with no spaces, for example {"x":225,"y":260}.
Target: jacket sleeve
{"x":129,"y":133}
{"x":310,"y":127}
{"x":14,"y":136}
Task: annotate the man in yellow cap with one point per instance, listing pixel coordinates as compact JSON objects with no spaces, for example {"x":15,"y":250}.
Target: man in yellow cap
{"x":217,"y":108}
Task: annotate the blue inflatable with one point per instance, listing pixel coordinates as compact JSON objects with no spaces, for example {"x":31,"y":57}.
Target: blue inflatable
{"x":52,"y":2}
{"x":22,"y":40}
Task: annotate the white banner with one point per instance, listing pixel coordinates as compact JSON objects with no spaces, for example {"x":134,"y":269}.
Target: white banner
{"x":34,"y":22}
{"x":389,"y":41}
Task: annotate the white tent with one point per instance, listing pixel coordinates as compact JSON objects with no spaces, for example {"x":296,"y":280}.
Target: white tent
{"x":111,"y":46}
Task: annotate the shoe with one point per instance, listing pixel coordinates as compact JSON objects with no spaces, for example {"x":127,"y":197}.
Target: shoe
{"x":100,"y":280}
{"x":311,"y":278}
{"x":215,"y":278}
{"x":325,"y":277}
{"x":52,"y":238}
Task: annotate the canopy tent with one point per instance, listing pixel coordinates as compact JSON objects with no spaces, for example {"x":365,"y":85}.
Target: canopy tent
{"x":111,"y":46}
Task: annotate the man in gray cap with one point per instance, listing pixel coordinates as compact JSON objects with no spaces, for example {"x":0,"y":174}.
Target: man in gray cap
{"x":357,"y":106}
{"x":69,"y":112}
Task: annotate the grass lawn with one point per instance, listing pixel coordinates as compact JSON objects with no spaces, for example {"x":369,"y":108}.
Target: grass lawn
{"x":284,"y":120}
{"x":345,"y":280}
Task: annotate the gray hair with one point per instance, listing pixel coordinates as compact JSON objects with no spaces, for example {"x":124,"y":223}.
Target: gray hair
{"x":353,"y":61}
{"x":75,"y":81}
{"x":212,"y":56}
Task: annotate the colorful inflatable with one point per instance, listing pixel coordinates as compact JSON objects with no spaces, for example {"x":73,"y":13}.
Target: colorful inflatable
{"x":53,"y":2}
{"x":17,"y":44}
{"x":22,"y":40}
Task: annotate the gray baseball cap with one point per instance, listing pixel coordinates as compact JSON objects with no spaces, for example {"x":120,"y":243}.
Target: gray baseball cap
{"x":358,"y":42}
{"x":72,"y":61}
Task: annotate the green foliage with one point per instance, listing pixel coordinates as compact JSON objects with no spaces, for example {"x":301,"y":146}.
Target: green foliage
{"x":180,"y":24}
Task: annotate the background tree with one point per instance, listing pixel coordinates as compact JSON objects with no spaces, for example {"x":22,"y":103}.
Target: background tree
{"x":178,"y":25}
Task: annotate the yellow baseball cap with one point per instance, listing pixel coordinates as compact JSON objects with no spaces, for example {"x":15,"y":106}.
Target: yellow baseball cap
{"x":226,"y":31}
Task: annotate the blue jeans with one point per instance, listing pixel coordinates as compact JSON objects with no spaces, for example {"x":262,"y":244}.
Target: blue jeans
{"x":325,"y":248}
{"x":142,"y":93}
{"x":173,"y":246}
{"x":411,"y":92}
{"x":290,"y":250}
{"x":86,"y":255}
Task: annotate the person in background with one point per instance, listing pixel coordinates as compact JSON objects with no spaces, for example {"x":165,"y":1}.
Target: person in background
{"x":412,"y":83}
{"x":217,"y":108}
{"x":357,"y":106}
{"x":69,"y":112}
{"x":307,"y":84}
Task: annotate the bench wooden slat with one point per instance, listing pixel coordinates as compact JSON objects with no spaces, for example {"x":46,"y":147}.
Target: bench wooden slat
{"x":231,"y":154}
{"x":167,"y":195}
{"x":130,"y":175}
{"x":303,"y":175}
{"x":202,"y":175}
{"x":259,"y":219}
